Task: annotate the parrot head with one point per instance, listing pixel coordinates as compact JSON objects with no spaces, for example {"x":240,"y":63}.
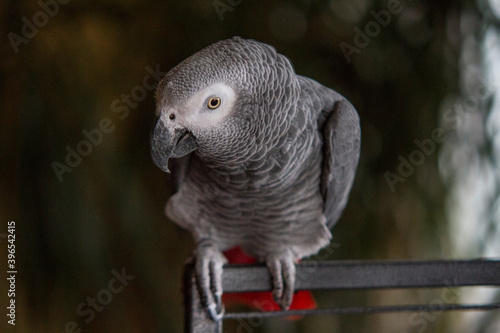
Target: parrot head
{"x":216,"y":102}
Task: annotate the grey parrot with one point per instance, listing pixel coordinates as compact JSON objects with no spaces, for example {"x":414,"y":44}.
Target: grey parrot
{"x":264,"y":159}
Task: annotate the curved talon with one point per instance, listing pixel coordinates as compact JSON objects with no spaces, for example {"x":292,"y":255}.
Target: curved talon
{"x":282,"y":270}
{"x":216,"y":316}
{"x":208,"y":268}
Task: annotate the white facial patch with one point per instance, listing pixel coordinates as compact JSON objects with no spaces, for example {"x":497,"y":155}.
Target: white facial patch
{"x":196,"y":114}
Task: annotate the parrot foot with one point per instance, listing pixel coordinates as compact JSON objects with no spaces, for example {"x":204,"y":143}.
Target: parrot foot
{"x":281,"y":266}
{"x":208,"y":269}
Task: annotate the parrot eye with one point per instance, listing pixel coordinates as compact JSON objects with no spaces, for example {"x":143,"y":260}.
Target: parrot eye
{"x":213,"y":102}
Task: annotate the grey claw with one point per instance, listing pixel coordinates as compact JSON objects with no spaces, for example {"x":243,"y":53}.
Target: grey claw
{"x":214,"y":313}
{"x":208,"y":267}
{"x":282,"y":270}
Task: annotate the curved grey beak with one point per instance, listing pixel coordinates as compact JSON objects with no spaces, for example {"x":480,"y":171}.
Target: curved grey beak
{"x":169,"y":143}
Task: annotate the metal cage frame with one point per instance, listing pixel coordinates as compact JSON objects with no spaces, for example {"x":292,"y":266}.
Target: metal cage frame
{"x":345,"y":275}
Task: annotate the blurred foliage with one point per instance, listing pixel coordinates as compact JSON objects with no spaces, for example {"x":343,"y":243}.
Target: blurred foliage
{"x":108,"y":213}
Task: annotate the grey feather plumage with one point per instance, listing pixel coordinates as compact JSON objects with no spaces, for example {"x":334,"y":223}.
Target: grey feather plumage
{"x":275,"y":174}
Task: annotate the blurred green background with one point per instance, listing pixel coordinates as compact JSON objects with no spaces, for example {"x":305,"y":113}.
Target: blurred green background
{"x":85,"y":61}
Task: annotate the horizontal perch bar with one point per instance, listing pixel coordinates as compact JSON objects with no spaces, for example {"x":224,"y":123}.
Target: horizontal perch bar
{"x":335,"y":275}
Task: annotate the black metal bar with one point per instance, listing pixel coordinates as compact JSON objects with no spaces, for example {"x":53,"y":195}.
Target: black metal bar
{"x":345,"y":275}
{"x":335,"y":275}
{"x":364,"y":310}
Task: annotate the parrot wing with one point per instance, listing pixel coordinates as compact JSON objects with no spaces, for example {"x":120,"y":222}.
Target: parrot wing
{"x":341,"y":145}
